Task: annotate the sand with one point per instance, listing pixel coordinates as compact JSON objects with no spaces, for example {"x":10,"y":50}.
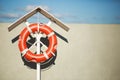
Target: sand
{"x":93,"y":53}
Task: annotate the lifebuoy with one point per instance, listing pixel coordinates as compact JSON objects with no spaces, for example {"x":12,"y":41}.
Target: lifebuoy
{"x":29,"y":55}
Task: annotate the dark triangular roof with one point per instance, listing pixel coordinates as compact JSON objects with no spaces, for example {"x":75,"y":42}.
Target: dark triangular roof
{"x":43,"y":12}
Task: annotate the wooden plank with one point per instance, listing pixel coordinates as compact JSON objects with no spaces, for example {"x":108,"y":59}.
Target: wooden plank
{"x":53,"y":19}
{"x":43,"y":12}
{"x":19,"y":21}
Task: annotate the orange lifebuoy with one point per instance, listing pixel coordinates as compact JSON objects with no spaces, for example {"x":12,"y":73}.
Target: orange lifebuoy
{"x":28,"y":54}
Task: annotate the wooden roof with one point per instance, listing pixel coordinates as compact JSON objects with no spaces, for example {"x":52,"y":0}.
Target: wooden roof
{"x":44,"y":13}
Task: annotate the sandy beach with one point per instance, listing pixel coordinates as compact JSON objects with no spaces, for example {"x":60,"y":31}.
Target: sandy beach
{"x":93,"y":53}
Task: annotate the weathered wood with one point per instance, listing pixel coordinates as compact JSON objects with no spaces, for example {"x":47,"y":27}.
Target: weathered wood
{"x":43,"y":12}
{"x":53,"y":19}
{"x":19,"y":21}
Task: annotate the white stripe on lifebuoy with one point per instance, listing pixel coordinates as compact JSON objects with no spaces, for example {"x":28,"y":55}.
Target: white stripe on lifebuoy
{"x":27,"y":23}
{"x":51,"y":34}
{"x":52,"y":53}
{"x":24,"y":51}
{"x":45,"y":54}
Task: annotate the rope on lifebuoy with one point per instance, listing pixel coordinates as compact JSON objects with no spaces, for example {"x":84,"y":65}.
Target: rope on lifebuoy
{"x":27,"y":25}
{"x":52,"y":33}
{"x":24,"y":51}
